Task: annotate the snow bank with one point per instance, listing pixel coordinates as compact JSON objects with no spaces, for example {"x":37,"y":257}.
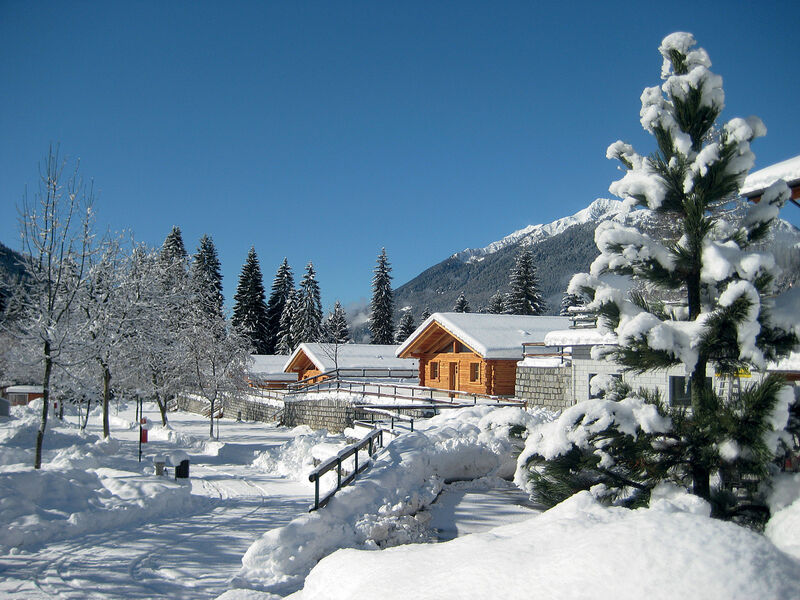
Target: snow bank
{"x":383,"y":507}
{"x":578,"y":549}
{"x":294,"y":459}
{"x":783,"y":528}
{"x":85,"y":485}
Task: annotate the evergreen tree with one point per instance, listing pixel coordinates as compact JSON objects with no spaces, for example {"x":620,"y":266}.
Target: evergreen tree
{"x":727,"y":317}
{"x":173,"y":248}
{"x":497,"y":303}
{"x":405,"y":328}
{"x":282,"y":286}
{"x":336,"y":326}
{"x":524,"y":297}
{"x":249,"y":309}
{"x":425,"y":314}
{"x":286,"y":343}
{"x":381,"y":325}
{"x":461,"y":306}
{"x":567,"y":302}
{"x":207,"y":278}
{"x":307,"y":319}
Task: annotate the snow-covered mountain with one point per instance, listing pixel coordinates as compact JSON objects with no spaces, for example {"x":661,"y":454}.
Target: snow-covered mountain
{"x":560,"y":249}
{"x":601,"y":209}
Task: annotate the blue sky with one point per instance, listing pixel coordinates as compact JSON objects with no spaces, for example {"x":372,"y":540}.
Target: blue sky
{"x":324,"y":131}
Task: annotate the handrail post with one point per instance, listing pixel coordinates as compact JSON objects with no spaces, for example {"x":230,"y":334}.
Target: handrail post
{"x":338,"y":473}
{"x":356,"y":463}
{"x":316,"y":493}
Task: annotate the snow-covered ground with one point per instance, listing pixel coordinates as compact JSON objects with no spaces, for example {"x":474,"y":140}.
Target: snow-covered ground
{"x":97,"y":523}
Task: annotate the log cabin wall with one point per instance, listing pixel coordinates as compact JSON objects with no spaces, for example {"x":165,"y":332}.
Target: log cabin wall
{"x":473,"y":373}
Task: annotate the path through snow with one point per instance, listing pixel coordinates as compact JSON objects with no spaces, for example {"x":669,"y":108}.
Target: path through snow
{"x":192,"y":556}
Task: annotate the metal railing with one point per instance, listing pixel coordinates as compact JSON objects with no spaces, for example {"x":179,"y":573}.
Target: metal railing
{"x":556,"y":352}
{"x":412,"y":393}
{"x":373,"y":373}
{"x":372,"y":441}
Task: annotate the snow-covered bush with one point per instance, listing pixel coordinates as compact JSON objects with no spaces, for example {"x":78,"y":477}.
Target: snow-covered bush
{"x":704,"y":299}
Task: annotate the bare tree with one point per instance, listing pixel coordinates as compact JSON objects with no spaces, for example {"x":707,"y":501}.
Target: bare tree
{"x":56,"y":231}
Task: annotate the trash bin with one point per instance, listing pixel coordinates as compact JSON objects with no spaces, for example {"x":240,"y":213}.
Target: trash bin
{"x":182,"y":469}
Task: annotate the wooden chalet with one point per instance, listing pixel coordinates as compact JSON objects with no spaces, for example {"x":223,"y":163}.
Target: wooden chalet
{"x":265,"y":371}
{"x":472,"y":352}
{"x":321,"y":360}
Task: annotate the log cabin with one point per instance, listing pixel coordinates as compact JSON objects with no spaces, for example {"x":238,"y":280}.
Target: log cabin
{"x":318,"y":360}
{"x":472,"y":352}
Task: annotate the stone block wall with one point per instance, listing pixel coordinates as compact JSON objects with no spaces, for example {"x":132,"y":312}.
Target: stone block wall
{"x":191,"y":404}
{"x":333,"y":415}
{"x":546,"y":387}
{"x":249,"y":409}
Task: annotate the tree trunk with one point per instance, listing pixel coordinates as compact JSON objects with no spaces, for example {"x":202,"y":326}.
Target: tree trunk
{"x":48,"y":366}
{"x":162,"y":408}
{"x":106,"y":399}
{"x":88,"y":408}
{"x":211,"y":418}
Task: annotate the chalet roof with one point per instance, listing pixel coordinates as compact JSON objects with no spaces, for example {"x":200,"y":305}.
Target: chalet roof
{"x":351,"y":356}
{"x":491,"y":336}
{"x":758,"y":181}
{"x":269,"y":366}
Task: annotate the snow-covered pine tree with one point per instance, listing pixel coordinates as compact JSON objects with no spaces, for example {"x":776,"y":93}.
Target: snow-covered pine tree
{"x":405,"y":328}
{"x":497,"y":303}
{"x":726,"y":319}
{"x":173,"y":248}
{"x":524,"y":297}
{"x":249,"y":308}
{"x":461,"y":304}
{"x":282,"y":286}
{"x":336,"y":326}
{"x":307,"y":318}
{"x":567,"y":302}
{"x":286,"y":343}
{"x":206,"y":278}
{"x":381,"y":325}
{"x":425,"y":314}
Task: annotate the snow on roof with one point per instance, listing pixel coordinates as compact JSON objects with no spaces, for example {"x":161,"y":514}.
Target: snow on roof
{"x":24,"y":389}
{"x":758,"y":181}
{"x":492,"y":336}
{"x":269,"y":366}
{"x":589,"y":336}
{"x":352,"y":356}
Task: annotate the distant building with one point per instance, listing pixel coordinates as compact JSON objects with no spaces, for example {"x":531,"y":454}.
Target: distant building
{"x":758,"y":181}
{"x":266,"y":371}
{"x":22,"y":394}
{"x":321,"y":360}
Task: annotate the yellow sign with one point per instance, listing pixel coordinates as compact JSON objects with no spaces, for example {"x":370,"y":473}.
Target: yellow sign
{"x":743,"y":373}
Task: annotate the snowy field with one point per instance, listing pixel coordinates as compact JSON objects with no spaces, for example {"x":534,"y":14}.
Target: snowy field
{"x":105,"y":527}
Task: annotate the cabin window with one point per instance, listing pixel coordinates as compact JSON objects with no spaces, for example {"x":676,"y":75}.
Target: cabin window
{"x":461,"y":347}
{"x":680,"y":391}
{"x":434,"y":370}
{"x":474,"y":371}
